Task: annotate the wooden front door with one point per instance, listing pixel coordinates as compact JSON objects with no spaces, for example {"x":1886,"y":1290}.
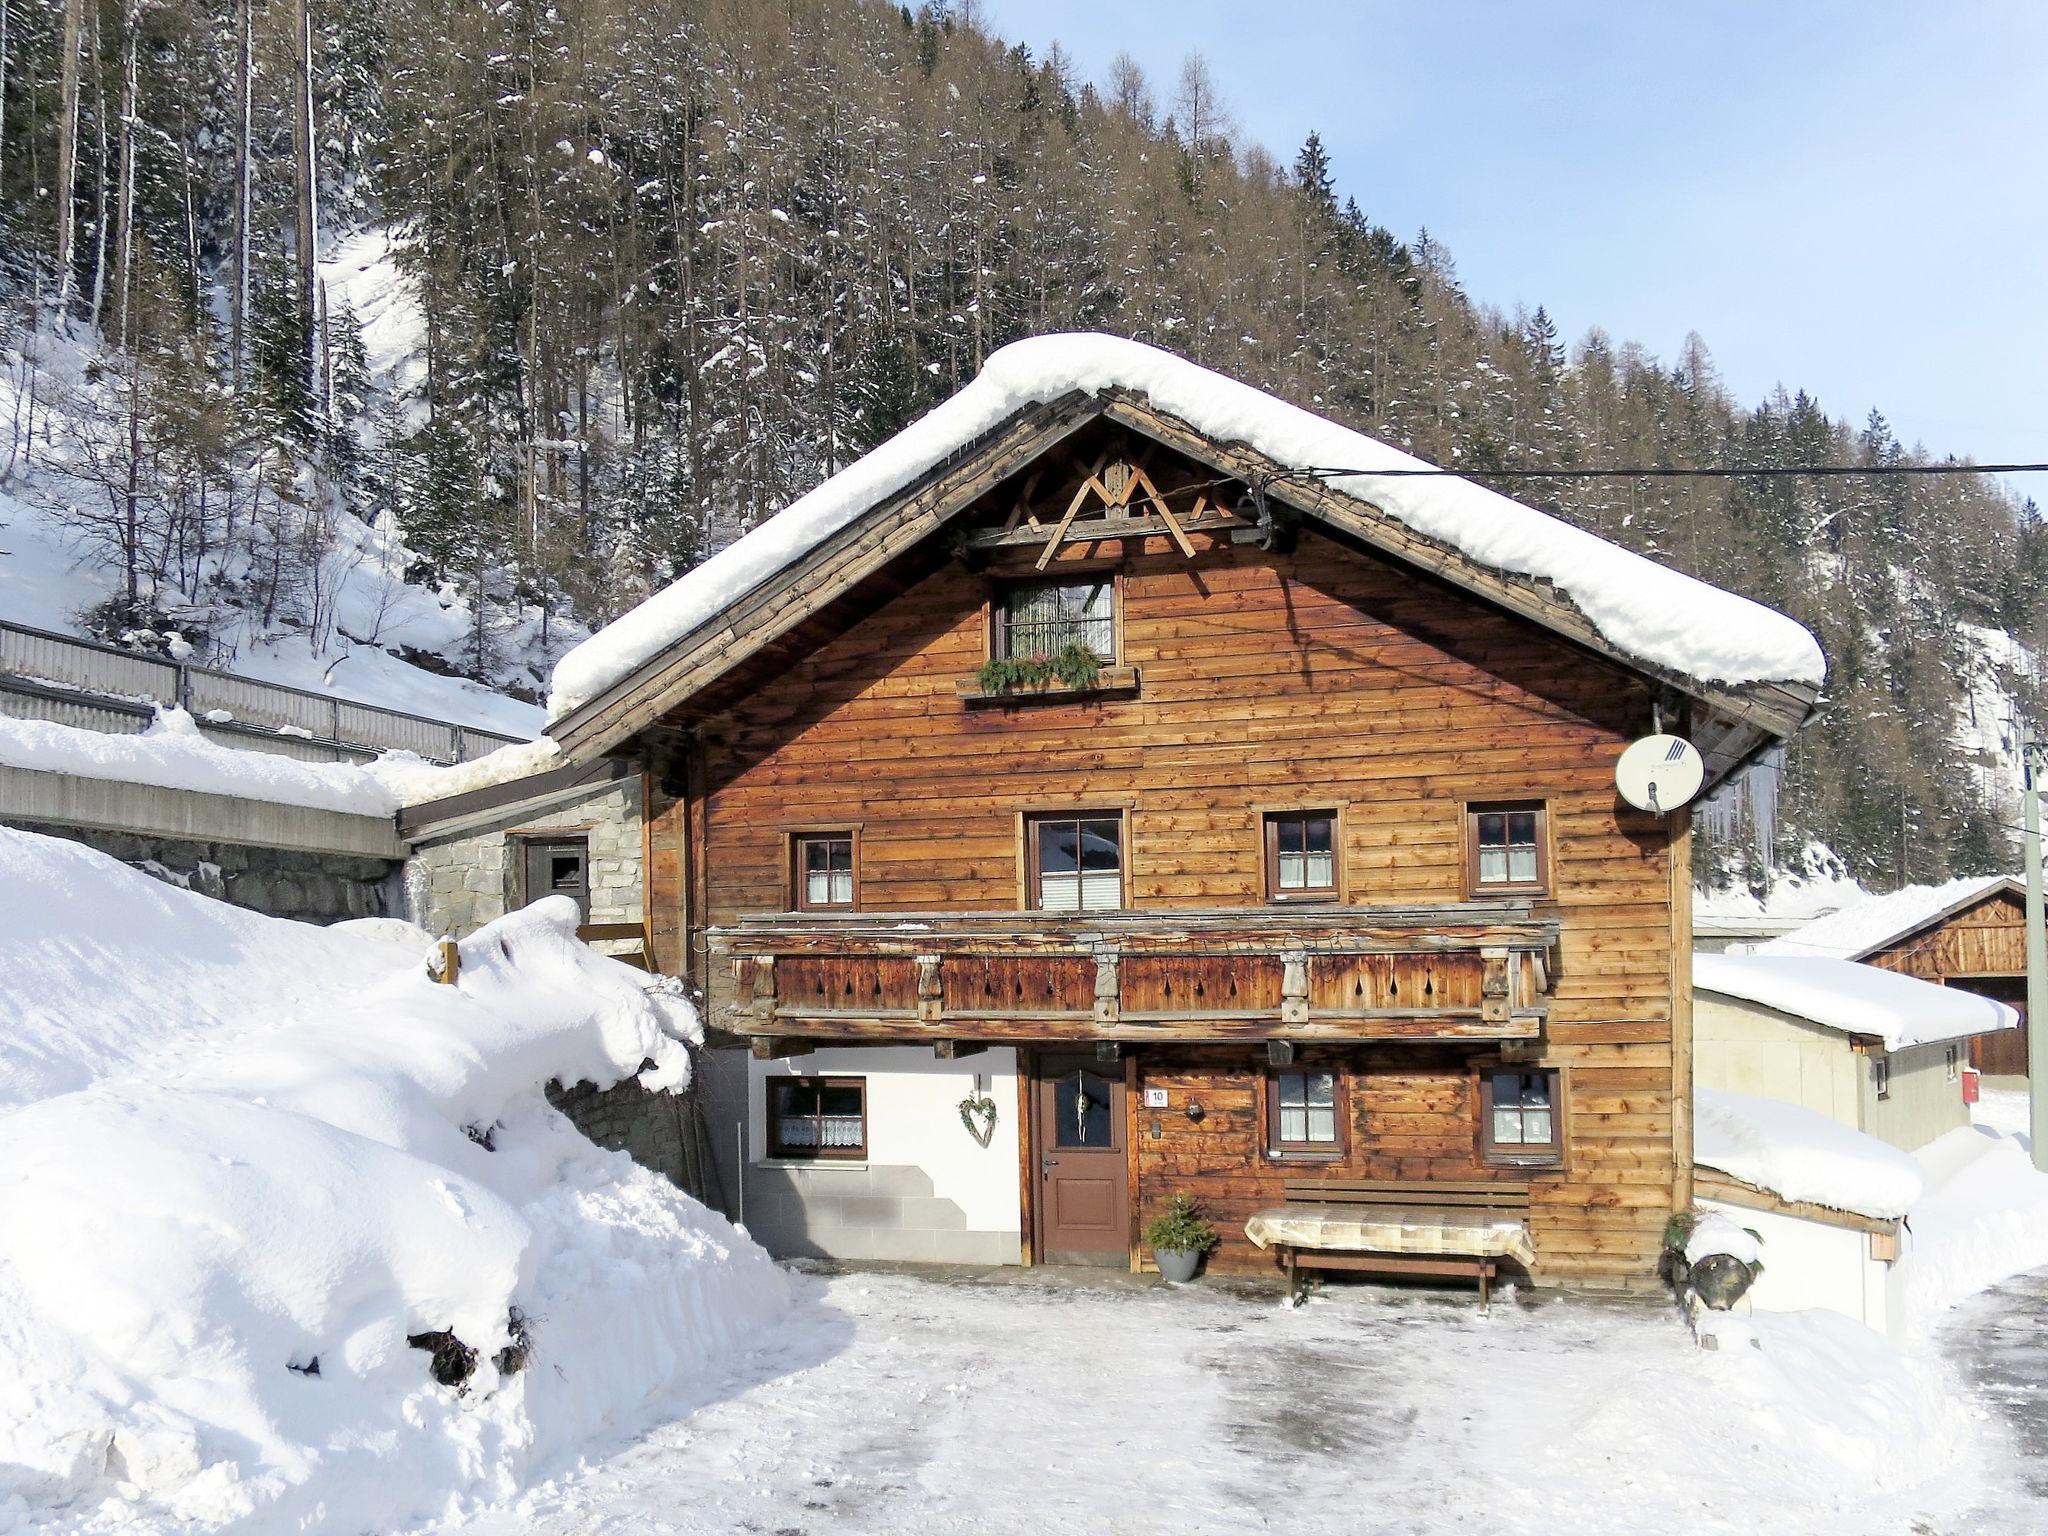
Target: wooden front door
{"x":1083,"y":1208}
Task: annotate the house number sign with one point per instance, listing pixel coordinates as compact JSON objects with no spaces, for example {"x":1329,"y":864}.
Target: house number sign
{"x":1155,"y":1098}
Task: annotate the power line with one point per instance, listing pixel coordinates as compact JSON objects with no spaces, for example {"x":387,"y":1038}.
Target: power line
{"x":1663,"y":472}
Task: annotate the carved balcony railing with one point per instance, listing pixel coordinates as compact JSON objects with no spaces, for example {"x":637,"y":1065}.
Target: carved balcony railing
{"x":1454,"y":972}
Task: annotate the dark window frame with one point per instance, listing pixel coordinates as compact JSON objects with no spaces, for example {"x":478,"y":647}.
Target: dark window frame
{"x":1474,"y":885}
{"x":1003,"y":588}
{"x":1334,"y":1150}
{"x":1952,"y":1062}
{"x":541,"y":840}
{"x":1881,"y":1076}
{"x":799,"y":895}
{"x":817,"y":1152}
{"x":1523,"y":1154}
{"x":1034,"y":888}
{"x":1270,"y":838}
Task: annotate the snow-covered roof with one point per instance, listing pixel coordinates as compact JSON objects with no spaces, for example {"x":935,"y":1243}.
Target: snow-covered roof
{"x":1645,"y":610}
{"x":1855,"y":998}
{"x":174,"y":753}
{"x":1868,"y":926}
{"x":1800,"y":1154}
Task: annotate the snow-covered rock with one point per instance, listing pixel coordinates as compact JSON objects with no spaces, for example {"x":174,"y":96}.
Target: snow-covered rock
{"x":209,"y":1274}
{"x":1646,"y":609}
{"x":1714,"y":1233}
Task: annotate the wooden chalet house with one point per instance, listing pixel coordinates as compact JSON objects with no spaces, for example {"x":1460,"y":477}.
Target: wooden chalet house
{"x":1077,"y":803}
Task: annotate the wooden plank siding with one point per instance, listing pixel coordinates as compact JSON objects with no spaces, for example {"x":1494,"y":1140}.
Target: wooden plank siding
{"x":1322,"y":678}
{"x":1988,"y":939}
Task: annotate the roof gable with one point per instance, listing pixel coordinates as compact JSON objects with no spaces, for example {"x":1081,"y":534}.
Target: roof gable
{"x":1859,"y":931}
{"x":1756,"y":668}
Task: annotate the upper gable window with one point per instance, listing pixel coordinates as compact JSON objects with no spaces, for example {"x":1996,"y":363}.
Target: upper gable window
{"x":1041,"y":618}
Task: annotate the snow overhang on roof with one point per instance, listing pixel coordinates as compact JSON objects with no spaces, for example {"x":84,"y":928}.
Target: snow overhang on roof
{"x":1869,"y":926}
{"x":1705,"y":641}
{"x":1857,"y":999}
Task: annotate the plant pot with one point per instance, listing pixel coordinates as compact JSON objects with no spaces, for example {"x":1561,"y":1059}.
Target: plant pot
{"x":1720,"y":1280}
{"x":1177,"y":1266}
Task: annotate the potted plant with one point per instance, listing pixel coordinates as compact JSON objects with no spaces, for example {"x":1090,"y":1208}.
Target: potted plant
{"x":1179,"y":1239}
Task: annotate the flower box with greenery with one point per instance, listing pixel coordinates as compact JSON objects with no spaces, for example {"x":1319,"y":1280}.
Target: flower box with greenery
{"x":1073,"y":668}
{"x":1180,"y":1238}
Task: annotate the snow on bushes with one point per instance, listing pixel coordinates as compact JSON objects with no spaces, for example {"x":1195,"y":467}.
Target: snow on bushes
{"x":210,"y":1285}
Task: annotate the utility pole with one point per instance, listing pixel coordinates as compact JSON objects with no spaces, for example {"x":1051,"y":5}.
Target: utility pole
{"x":2033,"y":761}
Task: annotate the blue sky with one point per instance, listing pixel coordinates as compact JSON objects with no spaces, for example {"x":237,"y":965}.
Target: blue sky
{"x":1848,"y":197}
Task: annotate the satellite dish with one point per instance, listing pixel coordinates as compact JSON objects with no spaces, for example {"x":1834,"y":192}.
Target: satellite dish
{"x":1659,"y":773}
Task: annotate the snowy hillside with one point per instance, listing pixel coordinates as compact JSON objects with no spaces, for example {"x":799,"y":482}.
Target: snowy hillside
{"x":340,"y":608}
{"x":289,"y":1237}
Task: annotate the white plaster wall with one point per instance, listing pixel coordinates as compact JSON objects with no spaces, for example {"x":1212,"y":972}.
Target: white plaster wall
{"x":914,"y":1119}
{"x":1808,"y":1264}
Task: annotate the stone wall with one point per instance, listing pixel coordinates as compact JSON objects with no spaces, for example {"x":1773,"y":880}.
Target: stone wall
{"x":279,"y":882}
{"x":661,"y":1131}
{"x":458,"y":883}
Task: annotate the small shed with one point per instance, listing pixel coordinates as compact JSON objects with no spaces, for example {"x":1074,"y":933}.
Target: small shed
{"x":1970,"y":934}
{"x":1871,"y":1049}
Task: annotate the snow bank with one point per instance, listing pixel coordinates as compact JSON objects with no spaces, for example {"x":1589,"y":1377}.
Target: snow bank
{"x":1798,"y":1154}
{"x":1855,"y":998}
{"x":1646,"y":609}
{"x":1857,"y":930}
{"x":102,"y":967}
{"x":208,"y":1280}
{"x":175,"y":754}
{"x":1983,"y":1219}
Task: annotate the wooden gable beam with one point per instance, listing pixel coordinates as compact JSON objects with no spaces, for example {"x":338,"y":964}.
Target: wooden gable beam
{"x":787,"y":597}
{"x":1780,"y":709}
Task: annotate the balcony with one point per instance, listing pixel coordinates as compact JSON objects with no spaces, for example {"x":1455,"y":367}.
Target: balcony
{"x":1452,"y":972}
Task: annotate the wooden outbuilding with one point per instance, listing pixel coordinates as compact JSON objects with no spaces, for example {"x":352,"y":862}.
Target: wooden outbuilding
{"x":1200,"y":821}
{"x":1969,"y":933}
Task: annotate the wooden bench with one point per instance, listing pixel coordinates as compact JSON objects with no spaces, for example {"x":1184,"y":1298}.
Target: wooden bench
{"x":1481,"y":1196}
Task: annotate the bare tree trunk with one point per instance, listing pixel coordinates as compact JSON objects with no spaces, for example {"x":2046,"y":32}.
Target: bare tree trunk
{"x":67,"y":153}
{"x":99,"y":217}
{"x":238,"y":300}
{"x":308,"y":213}
{"x":124,"y":248}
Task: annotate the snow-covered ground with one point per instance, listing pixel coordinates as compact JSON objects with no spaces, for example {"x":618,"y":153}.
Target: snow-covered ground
{"x":247,"y":1168}
{"x":1984,"y":1215}
{"x":894,"y":1404}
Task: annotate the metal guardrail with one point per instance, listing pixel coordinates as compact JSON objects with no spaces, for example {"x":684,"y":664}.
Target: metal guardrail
{"x":46,"y":676}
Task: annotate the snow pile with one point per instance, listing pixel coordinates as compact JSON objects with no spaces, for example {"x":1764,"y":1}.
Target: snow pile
{"x":1645,"y":609}
{"x":173,"y":753}
{"x":1858,"y":930}
{"x":208,"y":1279}
{"x":1983,"y":1219}
{"x":1854,"y":998}
{"x":1798,"y":1154}
{"x":1714,"y":1233}
{"x":102,"y":967}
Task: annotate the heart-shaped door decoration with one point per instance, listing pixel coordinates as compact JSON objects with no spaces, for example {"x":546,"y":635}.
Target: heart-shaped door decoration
{"x":978,"y":1114}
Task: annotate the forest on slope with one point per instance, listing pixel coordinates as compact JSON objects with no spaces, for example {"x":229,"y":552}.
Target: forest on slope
{"x":677,"y":260}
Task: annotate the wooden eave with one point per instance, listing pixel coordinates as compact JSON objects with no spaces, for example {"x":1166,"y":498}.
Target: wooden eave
{"x":2006,"y":887}
{"x":457,"y":813}
{"x":1712,"y":1184}
{"x":1731,"y":725}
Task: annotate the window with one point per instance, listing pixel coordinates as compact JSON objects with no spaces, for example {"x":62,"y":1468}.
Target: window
{"x":1505,"y":849}
{"x":1951,"y":1060}
{"x":1881,"y":1075}
{"x":1302,"y":1111}
{"x":1077,"y":862}
{"x":1301,"y":856}
{"x":1040,"y":618}
{"x":1519,"y":1117}
{"x":818,"y":1117}
{"x":823,"y":870}
{"x":558,"y":867}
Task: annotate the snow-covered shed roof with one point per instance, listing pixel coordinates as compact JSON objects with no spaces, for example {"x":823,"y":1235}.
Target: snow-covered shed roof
{"x":1869,"y":926}
{"x":1800,"y":1154}
{"x":1854,"y":998}
{"x":1658,"y":618}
